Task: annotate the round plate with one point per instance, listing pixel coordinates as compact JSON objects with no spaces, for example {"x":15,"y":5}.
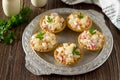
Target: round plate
{"x":45,"y":64}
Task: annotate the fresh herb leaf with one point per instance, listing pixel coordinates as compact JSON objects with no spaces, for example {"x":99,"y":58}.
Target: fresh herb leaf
{"x":3,"y":22}
{"x":25,"y":13}
{"x":80,"y":16}
{"x":10,"y":38}
{"x":92,"y":30}
{"x":40,"y":35}
{"x":21,"y":17}
{"x":49,"y":19}
{"x":6,"y":25}
{"x":3,"y":28}
{"x":75,"y":52}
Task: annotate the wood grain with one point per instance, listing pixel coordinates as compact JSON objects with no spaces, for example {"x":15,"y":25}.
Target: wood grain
{"x":12,"y":57}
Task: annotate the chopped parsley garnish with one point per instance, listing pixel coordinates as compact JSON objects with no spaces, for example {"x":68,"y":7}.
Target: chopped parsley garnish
{"x":92,"y":30}
{"x":49,"y":19}
{"x":40,"y":35}
{"x":80,"y":16}
{"x":75,"y":51}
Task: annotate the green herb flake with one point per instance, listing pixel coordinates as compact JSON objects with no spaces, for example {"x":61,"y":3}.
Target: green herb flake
{"x":40,"y":35}
{"x":49,"y":19}
{"x":75,"y":51}
{"x":92,"y":31}
{"x":80,"y":16}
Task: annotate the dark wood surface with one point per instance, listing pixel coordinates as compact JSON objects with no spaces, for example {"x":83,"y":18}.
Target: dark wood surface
{"x":12,"y":57}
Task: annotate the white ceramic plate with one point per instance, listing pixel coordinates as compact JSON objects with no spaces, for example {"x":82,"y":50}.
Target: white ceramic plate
{"x":45,"y":64}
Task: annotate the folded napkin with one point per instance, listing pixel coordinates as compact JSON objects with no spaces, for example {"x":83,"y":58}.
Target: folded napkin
{"x":110,"y":7}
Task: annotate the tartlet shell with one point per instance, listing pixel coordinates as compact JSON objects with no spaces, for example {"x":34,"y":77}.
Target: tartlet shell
{"x":70,"y":63}
{"x":57,"y":31}
{"x":95,"y":49}
{"x":48,"y":50}
{"x":76,"y":30}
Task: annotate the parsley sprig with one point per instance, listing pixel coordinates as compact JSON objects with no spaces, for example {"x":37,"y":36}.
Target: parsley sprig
{"x":92,"y":30}
{"x":10,"y":38}
{"x":75,"y":51}
{"x":40,"y":35}
{"x":49,"y":19}
{"x":7,"y":36}
{"x":80,"y":16}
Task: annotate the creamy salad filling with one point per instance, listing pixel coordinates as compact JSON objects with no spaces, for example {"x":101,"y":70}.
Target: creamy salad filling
{"x":47,"y":41}
{"x":91,"y":41}
{"x":79,"y":21}
{"x":53,"y":22}
{"x":66,"y":53}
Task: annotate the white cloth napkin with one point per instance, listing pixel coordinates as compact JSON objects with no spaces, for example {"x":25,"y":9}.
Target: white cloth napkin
{"x":110,"y":7}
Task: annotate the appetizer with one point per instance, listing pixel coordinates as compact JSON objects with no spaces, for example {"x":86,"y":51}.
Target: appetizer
{"x":79,"y":22}
{"x":91,"y":39}
{"x":43,"y":41}
{"x":68,"y":54}
{"x":52,"y":22}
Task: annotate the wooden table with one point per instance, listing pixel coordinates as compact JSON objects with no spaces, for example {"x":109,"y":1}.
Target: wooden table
{"x":12,"y":57}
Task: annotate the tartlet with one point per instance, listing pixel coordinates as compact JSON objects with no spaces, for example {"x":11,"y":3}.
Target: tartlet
{"x":43,"y":41}
{"x":91,"y":39}
{"x":68,"y":54}
{"x":53,"y":23}
{"x":79,"y":22}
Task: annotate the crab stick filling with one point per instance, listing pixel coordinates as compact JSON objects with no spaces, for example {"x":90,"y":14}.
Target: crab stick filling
{"x":48,"y":42}
{"x":65,"y":53}
{"x":53,"y":22}
{"x":91,"y":41}
{"x":79,"y":22}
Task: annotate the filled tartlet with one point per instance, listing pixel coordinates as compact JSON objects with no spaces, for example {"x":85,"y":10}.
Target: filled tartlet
{"x":52,"y":22}
{"x":43,"y":41}
{"x":68,"y":54}
{"x":91,"y":39}
{"x":79,"y":22}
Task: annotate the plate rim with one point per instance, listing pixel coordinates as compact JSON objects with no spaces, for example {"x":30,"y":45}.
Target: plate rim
{"x":52,"y":64}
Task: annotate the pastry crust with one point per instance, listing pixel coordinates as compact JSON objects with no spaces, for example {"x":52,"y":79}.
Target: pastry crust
{"x":70,"y":62}
{"x":47,"y":44}
{"x":78,"y":26}
{"x":92,"y":45}
{"x":62,"y":27}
